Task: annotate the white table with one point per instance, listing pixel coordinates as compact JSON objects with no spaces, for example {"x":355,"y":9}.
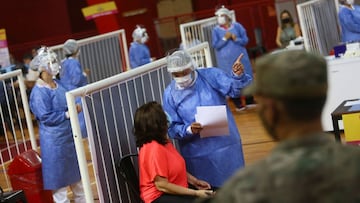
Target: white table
{"x":344,"y":84}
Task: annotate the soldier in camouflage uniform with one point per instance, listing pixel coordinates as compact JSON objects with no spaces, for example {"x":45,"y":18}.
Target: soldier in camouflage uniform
{"x":307,"y":165}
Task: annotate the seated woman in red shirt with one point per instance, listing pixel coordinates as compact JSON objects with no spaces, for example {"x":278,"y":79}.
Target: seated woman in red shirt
{"x":163,"y":176}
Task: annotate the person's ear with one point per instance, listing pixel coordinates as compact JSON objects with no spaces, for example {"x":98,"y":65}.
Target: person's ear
{"x":40,"y":75}
{"x":272,"y":112}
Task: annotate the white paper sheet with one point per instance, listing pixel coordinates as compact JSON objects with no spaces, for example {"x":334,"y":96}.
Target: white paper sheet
{"x":351,"y":103}
{"x":213,"y":120}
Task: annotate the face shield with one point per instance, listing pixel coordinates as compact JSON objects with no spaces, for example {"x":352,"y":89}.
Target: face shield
{"x":139,"y":34}
{"x":350,"y":2}
{"x":45,"y":60}
{"x":222,"y":11}
{"x":144,"y":38}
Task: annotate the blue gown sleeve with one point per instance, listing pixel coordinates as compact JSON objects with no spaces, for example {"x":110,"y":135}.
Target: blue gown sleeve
{"x":226,"y":84}
{"x":71,"y":75}
{"x":348,"y":21}
{"x":145,"y":57}
{"x":241,"y":37}
{"x":41,"y":106}
{"x":139,"y":55}
{"x":217,"y":38}
{"x":76,"y":73}
{"x":177,"y":127}
{"x":133,"y":63}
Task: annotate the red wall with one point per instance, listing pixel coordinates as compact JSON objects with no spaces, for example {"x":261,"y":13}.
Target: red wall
{"x":51,"y":22}
{"x":259,"y":14}
{"x":40,"y":22}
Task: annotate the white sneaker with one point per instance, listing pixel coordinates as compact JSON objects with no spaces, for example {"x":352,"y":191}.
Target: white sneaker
{"x":251,"y":105}
{"x":240,"y":109}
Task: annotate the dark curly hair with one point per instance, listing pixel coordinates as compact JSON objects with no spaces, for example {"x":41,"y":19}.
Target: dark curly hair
{"x":150,"y":123}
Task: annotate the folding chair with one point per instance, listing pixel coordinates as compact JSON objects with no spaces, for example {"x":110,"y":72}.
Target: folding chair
{"x":130,"y":175}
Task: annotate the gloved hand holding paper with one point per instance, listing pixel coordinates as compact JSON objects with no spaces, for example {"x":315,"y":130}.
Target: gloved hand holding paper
{"x":213,"y":119}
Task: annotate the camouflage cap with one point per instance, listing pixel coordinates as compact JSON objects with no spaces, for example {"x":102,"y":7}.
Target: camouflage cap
{"x":290,"y":74}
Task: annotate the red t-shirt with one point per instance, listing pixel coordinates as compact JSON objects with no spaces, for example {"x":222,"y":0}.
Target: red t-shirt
{"x":159,"y":160}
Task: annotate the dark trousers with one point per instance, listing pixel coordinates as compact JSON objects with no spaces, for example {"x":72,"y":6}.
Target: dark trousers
{"x":237,"y":102}
{"x":249,"y":100}
{"x":167,"y":198}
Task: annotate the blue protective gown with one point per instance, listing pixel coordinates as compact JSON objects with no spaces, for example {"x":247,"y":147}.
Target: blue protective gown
{"x":213,"y":159}
{"x":350,"y":23}
{"x":139,"y":54}
{"x":72,"y":77}
{"x":59,"y":162}
{"x":71,"y":74}
{"x":228,"y":51}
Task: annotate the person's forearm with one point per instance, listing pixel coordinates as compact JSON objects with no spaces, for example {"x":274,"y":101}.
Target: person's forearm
{"x":191,"y":179}
{"x":171,"y":188}
{"x":242,"y":40}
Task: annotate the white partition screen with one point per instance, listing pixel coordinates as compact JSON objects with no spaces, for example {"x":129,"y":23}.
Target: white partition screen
{"x":16,"y":131}
{"x":105,"y":55}
{"x":319,"y":25}
{"x":109,"y":106}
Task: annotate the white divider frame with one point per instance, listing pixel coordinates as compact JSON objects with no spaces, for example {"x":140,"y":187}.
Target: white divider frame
{"x":312,"y":26}
{"x":87,"y":55}
{"x":28,"y":118}
{"x":100,"y":85}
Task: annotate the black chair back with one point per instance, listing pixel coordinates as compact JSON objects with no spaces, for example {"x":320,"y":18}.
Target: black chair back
{"x":130,"y":175}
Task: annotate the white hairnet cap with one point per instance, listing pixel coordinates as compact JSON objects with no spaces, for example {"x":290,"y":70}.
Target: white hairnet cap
{"x":70,"y":47}
{"x":222,"y":11}
{"x":41,"y":62}
{"x":178,"y":61}
{"x":138,"y":33}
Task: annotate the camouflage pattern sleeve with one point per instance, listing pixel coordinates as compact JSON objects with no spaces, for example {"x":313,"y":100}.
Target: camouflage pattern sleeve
{"x":244,"y":186}
{"x":309,"y":169}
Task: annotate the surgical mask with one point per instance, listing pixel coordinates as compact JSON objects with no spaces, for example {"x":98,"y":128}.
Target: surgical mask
{"x":144,"y":39}
{"x":285,"y":20}
{"x":184,"y":81}
{"x":54,"y":69}
{"x":221,"y":20}
{"x":351,"y":2}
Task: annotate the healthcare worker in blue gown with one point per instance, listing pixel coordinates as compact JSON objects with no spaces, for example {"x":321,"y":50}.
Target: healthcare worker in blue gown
{"x":73,"y":76}
{"x":229,"y":40}
{"x":213,"y":159}
{"x":349,"y":17}
{"x":139,"y":53}
{"x":48,"y":103}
